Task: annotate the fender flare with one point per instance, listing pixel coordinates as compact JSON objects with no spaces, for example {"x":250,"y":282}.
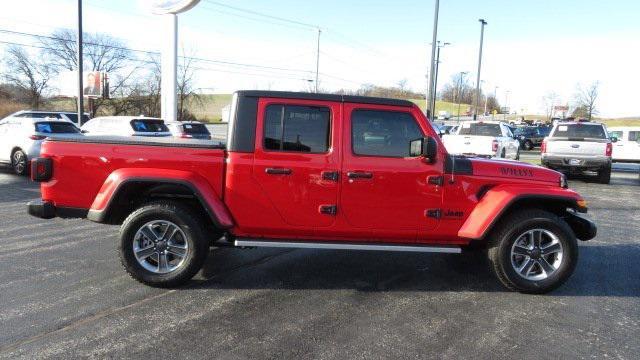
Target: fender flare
{"x":202,"y":190}
{"x":493,"y":205}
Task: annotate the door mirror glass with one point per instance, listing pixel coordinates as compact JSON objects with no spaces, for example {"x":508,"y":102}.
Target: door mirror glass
{"x":425,"y":147}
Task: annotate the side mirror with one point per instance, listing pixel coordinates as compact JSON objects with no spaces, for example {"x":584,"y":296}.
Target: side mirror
{"x":84,"y":131}
{"x":614,"y":139}
{"x":425,"y":147}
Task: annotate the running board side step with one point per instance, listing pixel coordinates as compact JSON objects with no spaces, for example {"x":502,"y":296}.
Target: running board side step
{"x":346,"y":246}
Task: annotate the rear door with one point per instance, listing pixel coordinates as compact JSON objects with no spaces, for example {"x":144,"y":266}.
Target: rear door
{"x":296,"y":160}
{"x":384,"y":189}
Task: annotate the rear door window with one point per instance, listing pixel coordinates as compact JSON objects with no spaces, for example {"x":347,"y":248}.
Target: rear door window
{"x":580,"y":131}
{"x":50,"y":127}
{"x":480,"y":129}
{"x":151,"y":126}
{"x":297,"y":128}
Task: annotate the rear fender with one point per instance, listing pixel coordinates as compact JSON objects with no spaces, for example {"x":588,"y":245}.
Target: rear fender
{"x":501,"y":200}
{"x":202,"y":190}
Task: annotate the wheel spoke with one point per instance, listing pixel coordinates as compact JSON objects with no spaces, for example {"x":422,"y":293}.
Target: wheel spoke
{"x":145,"y":252}
{"x":520,"y":250}
{"x":149,"y":233}
{"x":169,"y":234}
{"x":537,"y":238}
{"x":527,"y":264}
{"x":552,"y":248}
{"x":162,"y":262}
{"x":546,"y":267}
{"x":176,"y":250}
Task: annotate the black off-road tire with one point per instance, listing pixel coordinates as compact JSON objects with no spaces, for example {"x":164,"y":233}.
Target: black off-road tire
{"x":187,"y":219}
{"x":506,"y":233}
{"x":604,"y":176}
{"x":19,"y":162}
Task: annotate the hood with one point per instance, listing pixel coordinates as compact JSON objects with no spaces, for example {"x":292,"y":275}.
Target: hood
{"x":511,"y":169}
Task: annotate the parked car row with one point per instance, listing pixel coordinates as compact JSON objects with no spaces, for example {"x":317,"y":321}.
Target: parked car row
{"x":484,"y":139}
{"x":22,"y":133}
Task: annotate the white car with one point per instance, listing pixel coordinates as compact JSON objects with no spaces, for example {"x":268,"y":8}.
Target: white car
{"x":125,"y":126}
{"x":188,"y":129}
{"x":626,"y":143}
{"x":484,"y":139}
{"x":576,"y":147}
{"x":21,"y":137}
{"x":51,"y":115}
{"x":443,"y":115}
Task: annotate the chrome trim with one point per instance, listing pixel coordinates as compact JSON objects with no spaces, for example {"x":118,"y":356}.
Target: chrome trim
{"x":347,"y":246}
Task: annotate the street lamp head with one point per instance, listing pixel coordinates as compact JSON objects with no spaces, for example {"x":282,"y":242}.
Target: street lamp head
{"x":483,"y":21}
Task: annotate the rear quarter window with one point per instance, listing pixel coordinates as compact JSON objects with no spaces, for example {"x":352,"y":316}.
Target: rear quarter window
{"x":195,"y":129}
{"x":580,"y":131}
{"x":56,"y":128}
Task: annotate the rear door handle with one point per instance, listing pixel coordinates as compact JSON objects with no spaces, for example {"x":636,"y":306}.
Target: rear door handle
{"x":359,"y":175}
{"x":278,"y":171}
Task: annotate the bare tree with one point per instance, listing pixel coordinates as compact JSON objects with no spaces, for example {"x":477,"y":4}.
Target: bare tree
{"x":187,"y":95}
{"x":586,"y":97}
{"x":29,"y":73}
{"x":549,"y":101}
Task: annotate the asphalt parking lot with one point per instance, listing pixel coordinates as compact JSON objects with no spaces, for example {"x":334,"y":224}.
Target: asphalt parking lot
{"x":63,"y":294}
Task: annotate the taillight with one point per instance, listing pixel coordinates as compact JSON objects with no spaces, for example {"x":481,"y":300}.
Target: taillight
{"x":609,"y":149}
{"x":186,"y":136}
{"x":41,"y":169}
{"x":543,"y":146}
{"x":37,"y":137}
{"x":494,"y":145}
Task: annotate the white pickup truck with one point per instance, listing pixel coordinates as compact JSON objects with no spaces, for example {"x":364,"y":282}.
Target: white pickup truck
{"x":576,"y":147}
{"x":484,"y":139}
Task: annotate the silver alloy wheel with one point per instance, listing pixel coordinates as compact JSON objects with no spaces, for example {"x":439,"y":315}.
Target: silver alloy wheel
{"x":160,"y":246}
{"x":536,"y":254}
{"x":19,"y":162}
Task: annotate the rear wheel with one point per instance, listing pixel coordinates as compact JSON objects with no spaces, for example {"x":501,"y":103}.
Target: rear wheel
{"x":528,"y":145}
{"x":533,"y":251}
{"x":604,"y":176}
{"x":163,"y":244}
{"x":19,"y":162}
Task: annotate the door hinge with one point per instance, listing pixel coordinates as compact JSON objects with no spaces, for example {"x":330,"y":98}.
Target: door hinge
{"x":434,"y":213}
{"x":330,"y":175}
{"x":435,"y":180}
{"x":328,"y":209}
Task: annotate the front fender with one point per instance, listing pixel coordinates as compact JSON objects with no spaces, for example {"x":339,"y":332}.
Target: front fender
{"x":498,"y":201}
{"x":203,"y":191}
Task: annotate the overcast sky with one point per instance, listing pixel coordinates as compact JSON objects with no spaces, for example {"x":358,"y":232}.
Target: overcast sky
{"x":531,"y":47}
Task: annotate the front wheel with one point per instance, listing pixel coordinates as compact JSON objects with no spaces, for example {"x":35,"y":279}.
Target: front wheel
{"x":533,"y":251}
{"x":162,"y":244}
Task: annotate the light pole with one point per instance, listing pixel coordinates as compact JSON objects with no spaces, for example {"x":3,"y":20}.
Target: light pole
{"x":475,"y":111}
{"x":486,"y":98}
{"x":79,"y":61}
{"x":318,"y":59}
{"x":506,"y":103}
{"x":462,"y":74}
{"x":435,"y":78}
{"x":433,"y":55}
{"x":495,"y":97}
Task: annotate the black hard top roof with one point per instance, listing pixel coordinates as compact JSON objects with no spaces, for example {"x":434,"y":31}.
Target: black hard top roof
{"x":325,"y":97}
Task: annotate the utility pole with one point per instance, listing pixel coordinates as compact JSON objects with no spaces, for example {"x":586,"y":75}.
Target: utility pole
{"x":79,"y":61}
{"x":318,"y":59}
{"x":506,"y":102}
{"x":435,"y":78}
{"x":475,"y":111}
{"x":462,"y":73}
{"x":433,"y":56}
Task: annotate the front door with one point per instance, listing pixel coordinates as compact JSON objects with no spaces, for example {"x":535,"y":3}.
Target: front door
{"x":296,"y":162}
{"x":384,"y":189}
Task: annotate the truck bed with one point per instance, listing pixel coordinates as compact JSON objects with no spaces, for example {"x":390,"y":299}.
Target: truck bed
{"x":85,"y":163}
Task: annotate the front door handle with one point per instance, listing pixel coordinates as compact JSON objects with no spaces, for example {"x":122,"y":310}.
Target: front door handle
{"x":278,"y":171}
{"x":359,"y":175}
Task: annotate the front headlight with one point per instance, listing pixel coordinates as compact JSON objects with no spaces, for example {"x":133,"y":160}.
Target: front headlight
{"x":563,"y":182}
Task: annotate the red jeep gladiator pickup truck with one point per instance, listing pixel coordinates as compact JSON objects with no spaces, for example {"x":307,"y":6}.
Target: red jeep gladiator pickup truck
{"x":321,"y":171}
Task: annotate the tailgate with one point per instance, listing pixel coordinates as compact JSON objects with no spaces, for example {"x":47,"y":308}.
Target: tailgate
{"x":469,"y":144}
{"x":576,"y":147}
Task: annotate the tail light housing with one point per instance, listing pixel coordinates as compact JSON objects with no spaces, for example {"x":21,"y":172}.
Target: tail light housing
{"x":186,"y":136}
{"x":543,"y":146}
{"x":37,"y":137}
{"x":494,"y":145}
{"x":41,"y":169}
{"x":609,"y":149}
